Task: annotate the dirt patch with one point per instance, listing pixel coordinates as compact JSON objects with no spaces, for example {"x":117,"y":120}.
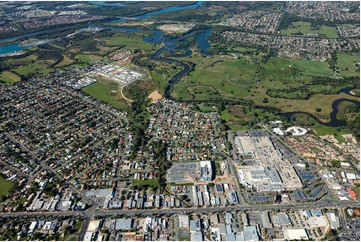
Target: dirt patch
{"x":176,"y":28}
{"x":155,"y":96}
{"x":238,"y":112}
{"x":226,"y":178}
{"x":146,"y":84}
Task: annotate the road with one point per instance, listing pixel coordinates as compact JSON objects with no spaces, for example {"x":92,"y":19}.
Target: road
{"x":149,"y":212}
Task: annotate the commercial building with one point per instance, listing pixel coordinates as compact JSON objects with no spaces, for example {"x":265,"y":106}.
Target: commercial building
{"x":295,"y":234}
{"x":245,"y":145}
{"x":124,"y":224}
{"x":206,"y":171}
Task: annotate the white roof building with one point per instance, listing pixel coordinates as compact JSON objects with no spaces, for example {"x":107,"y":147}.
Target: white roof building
{"x":351,"y":176}
{"x":278,"y":131}
{"x":295,"y":234}
{"x":88,"y":236}
{"x":93,"y":226}
{"x":334,"y":220}
{"x":197,"y":236}
{"x":297,"y":131}
{"x":316,"y":222}
{"x":183,"y":221}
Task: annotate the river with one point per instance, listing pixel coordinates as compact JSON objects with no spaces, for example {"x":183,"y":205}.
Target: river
{"x":334,"y":122}
{"x":173,"y":45}
{"x":6,"y":49}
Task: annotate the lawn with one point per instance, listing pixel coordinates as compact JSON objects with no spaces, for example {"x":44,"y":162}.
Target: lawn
{"x":207,"y":109}
{"x":27,"y":58}
{"x":5,"y":186}
{"x":107,"y":92}
{"x":305,"y":28}
{"x":9,"y":77}
{"x":149,"y":182}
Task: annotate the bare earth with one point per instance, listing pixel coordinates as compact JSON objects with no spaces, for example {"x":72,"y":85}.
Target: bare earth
{"x":155,"y":96}
{"x":176,"y":28}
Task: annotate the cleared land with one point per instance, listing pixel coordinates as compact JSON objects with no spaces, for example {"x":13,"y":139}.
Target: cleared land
{"x":176,"y":28}
{"x":155,"y":96}
{"x":299,"y":27}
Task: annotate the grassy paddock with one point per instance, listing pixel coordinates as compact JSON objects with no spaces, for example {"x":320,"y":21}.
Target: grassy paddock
{"x":9,"y":77}
{"x":230,"y":78}
{"x":305,"y":28}
{"x":346,"y":64}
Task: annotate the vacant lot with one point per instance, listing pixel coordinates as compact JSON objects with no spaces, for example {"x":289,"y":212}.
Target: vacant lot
{"x":5,"y":186}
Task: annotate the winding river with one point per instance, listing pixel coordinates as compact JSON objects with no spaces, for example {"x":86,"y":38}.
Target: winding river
{"x":334,"y":122}
{"x":6,"y":49}
{"x":177,"y":47}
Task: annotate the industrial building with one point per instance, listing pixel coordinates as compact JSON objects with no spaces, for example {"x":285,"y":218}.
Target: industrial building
{"x":245,"y":145}
{"x":206,"y":171}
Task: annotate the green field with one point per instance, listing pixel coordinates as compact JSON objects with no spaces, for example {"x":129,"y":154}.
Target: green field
{"x":41,"y":67}
{"x":107,"y":92}
{"x":326,"y":130}
{"x":286,"y":68}
{"x":5,"y":186}
{"x":346,"y":64}
{"x":214,"y":80}
{"x":9,"y":77}
{"x":149,"y":182}
{"x":162,"y":73}
{"x":65,"y":62}
{"x":88,"y":58}
{"x":242,"y":49}
{"x":130,"y":41}
{"x":305,"y":28}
